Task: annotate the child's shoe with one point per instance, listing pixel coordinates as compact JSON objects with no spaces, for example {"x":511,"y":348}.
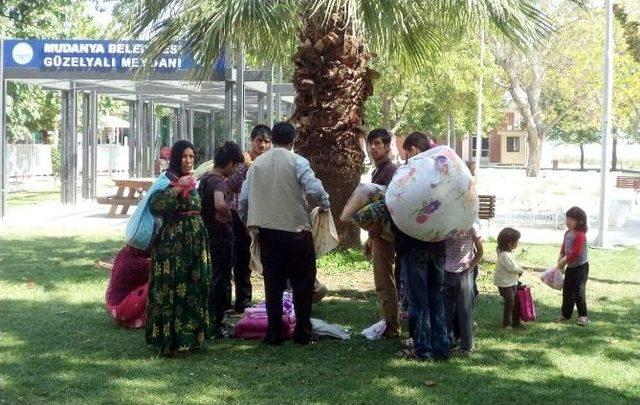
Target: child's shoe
{"x":582,"y":321}
{"x":561,"y":319}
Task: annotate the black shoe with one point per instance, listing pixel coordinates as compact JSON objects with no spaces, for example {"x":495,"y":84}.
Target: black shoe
{"x":303,"y":339}
{"x":272,"y":341}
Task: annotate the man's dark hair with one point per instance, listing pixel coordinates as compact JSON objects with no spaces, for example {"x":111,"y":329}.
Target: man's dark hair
{"x":261,"y":131}
{"x":283,"y":133}
{"x":175,"y":161}
{"x":420,"y":140}
{"x":229,"y":152}
{"x":379,"y":133}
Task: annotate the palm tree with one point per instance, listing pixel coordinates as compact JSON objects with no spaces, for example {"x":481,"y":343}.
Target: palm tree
{"x":333,"y":41}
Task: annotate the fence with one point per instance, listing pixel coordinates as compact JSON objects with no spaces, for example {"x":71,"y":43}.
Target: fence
{"x":36,"y":160}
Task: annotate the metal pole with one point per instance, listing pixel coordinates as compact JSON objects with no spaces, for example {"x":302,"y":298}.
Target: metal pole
{"x":3,"y":137}
{"x":86,"y":135}
{"x":94,"y":144}
{"x":269,"y":120}
{"x":278,"y":101}
{"x":184,"y":133}
{"x":62,"y":144}
{"x":260,"y":110}
{"x":240,"y":111}
{"x":212,"y":133}
{"x":139,"y":134}
{"x":228,"y":109}
{"x":479,"y":117}
{"x":603,"y":222}
{"x":132,"y":130}
{"x":175,"y":126}
{"x":190,"y":125}
{"x":151,"y":128}
{"x":73,"y":147}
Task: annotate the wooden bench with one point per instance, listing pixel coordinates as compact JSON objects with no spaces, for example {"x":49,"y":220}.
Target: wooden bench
{"x":134,"y":190}
{"x":487,"y":206}
{"x":629,"y":182}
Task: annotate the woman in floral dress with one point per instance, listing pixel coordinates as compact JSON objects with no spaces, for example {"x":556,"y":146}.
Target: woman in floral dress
{"x":177,"y":308}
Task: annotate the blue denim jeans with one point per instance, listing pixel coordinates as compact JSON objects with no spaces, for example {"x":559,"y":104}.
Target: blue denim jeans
{"x":424,"y":278}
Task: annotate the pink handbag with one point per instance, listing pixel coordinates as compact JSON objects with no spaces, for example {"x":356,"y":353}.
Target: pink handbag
{"x":525,"y":303}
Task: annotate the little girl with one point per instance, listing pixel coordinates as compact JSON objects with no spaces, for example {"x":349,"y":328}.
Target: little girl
{"x":573,"y":255}
{"x":506,"y":277}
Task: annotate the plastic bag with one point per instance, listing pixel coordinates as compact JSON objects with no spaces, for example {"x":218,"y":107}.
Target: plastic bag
{"x":432,"y":195}
{"x":376,"y":211}
{"x":553,"y":278}
{"x":143,"y":226}
{"x":255,"y":263}
{"x":363,"y":195}
{"x":375,"y":331}
{"x":325,"y":329}
{"x":325,"y":235}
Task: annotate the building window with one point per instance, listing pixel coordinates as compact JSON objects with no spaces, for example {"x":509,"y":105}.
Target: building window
{"x":513,"y":144}
{"x":484,"y":152}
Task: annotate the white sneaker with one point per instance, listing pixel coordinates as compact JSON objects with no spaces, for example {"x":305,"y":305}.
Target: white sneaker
{"x":582,"y":321}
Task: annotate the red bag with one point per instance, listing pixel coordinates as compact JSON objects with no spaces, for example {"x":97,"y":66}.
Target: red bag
{"x":525,"y":303}
{"x":131,"y":311}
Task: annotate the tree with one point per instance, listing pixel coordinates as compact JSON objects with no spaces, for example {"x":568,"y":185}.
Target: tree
{"x":439,"y":96}
{"x":577,"y":136}
{"x":555,"y":78}
{"x":333,"y":41}
{"x":32,"y":108}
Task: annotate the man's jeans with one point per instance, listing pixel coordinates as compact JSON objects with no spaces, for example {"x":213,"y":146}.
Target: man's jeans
{"x":459,"y":300}
{"x":424,"y":277}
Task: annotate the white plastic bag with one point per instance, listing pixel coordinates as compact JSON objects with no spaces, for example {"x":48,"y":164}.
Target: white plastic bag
{"x":255,"y":263}
{"x":325,"y":235}
{"x":375,"y":331}
{"x":553,"y":278}
{"x":325,"y":329}
{"x":433,"y":195}
{"x":362,"y":196}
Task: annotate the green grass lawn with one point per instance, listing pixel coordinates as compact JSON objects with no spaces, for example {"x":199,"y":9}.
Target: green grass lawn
{"x":22,"y":198}
{"x":59,"y":346}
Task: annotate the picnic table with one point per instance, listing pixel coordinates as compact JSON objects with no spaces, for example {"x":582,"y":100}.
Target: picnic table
{"x":130,"y":191}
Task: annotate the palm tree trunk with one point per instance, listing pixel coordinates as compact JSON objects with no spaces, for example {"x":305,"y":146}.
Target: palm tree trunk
{"x":332,"y":82}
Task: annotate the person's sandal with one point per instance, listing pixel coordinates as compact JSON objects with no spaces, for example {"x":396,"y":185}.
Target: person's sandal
{"x":561,"y":319}
{"x":409,"y":354}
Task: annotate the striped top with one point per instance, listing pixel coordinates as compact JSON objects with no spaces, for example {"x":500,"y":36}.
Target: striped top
{"x":460,"y":249}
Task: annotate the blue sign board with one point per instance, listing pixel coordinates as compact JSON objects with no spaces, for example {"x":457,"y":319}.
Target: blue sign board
{"x":91,"y":56}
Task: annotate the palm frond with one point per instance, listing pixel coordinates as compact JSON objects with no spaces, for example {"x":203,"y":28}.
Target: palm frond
{"x":413,"y":31}
{"x":205,"y":28}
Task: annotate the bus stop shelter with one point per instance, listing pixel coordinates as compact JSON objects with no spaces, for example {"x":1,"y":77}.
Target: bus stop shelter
{"x":83,"y":70}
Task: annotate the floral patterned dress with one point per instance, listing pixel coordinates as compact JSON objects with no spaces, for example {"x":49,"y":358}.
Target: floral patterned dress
{"x":179,"y":282}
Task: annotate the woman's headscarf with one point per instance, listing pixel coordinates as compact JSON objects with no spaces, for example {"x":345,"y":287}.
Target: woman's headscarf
{"x":175,"y":162}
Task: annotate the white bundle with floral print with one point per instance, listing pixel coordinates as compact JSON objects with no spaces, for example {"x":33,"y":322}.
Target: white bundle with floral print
{"x":433,"y":195}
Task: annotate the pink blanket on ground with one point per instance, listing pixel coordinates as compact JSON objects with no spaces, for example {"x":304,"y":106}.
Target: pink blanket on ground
{"x":253,"y":324}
